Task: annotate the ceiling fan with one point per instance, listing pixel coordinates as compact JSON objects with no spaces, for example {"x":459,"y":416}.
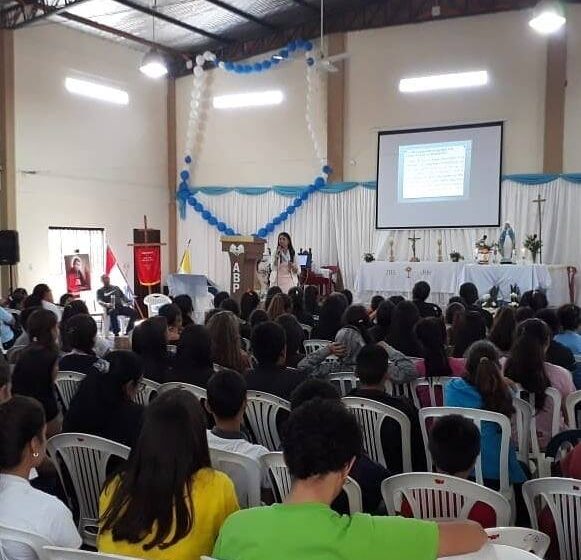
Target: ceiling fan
{"x":326,"y":62}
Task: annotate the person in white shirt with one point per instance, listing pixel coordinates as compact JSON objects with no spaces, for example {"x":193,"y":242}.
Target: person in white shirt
{"x":22,"y":449}
{"x":226,"y":402}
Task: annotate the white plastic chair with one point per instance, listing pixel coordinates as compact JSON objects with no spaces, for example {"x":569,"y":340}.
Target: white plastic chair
{"x":563,"y":497}
{"x":153,"y":302}
{"x":526,"y":426}
{"x":314,"y":344}
{"x":370,"y":416}
{"x":307,"y":329}
{"x":244,"y":472}
{"x":260,"y":417}
{"x":401,"y":390}
{"x":67,"y":383}
{"x":282,"y":481}
{"x":478,"y":417}
{"x":530,"y":540}
{"x":345,"y":381}
{"x":58,"y":553}
{"x":147,"y":389}
{"x":573,"y":401}
{"x":429,"y":386}
{"x":440,"y":497}
{"x":556,"y":402}
{"x":85,"y":458}
{"x":26,"y":538}
{"x":199,"y":392}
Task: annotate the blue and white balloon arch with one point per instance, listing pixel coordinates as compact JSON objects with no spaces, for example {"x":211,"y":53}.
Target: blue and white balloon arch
{"x":194,"y":138}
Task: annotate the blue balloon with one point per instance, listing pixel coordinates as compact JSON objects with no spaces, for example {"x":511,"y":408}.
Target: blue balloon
{"x":290,"y":209}
{"x":304,"y":195}
{"x":300,"y":44}
{"x":262,"y":232}
{"x":266,"y":65}
{"x":276,"y":220}
{"x":311,"y":189}
{"x":221,"y":226}
{"x":188,"y":159}
{"x":284,"y":53}
{"x":327,"y":169}
{"x":183,"y":186}
{"x":257,"y":67}
{"x":275,"y":61}
{"x":319,"y":182}
{"x":213,"y":220}
{"x":308,"y":46}
{"x":248,"y":68}
{"x":270,"y":227}
{"x":310,"y":61}
{"x":185,"y":175}
{"x":229,"y":231}
{"x":283,"y":215}
{"x":198,"y":207}
{"x":206,"y":215}
{"x":297,"y":202}
{"x":192,"y":199}
{"x":229,"y":66}
{"x":292,"y":46}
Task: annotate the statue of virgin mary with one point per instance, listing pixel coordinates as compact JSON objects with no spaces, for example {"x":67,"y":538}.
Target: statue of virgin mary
{"x":506,"y":244}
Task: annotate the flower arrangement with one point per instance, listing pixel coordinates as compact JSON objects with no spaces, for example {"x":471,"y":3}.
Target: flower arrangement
{"x":368,"y":257}
{"x":455,"y":256}
{"x":514,"y":295}
{"x":491,"y":298}
{"x":533,"y":244}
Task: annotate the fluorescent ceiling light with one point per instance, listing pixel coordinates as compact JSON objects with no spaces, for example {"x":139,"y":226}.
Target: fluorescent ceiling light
{"x":548,"y":17}
{"x":250,"y":99}
{"x":153,"y":65}
{"x":96,"y":91}
{"x":444,"y":81}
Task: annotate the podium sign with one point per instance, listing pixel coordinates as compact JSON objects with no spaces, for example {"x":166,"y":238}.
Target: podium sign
{"x":244,"y":252}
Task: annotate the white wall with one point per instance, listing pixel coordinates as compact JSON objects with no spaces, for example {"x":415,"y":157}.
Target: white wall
{"x":571,"y":160}
{"x":94,"y":164}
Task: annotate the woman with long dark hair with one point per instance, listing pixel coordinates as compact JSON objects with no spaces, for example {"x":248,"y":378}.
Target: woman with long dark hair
{"x":294,"y":339}
{"x":22,"y":449}
{"x":311,"y":300}
{"x":226,"y":346}
{"x":503,"y":329}
{"x":380,"y":331}
{"x":469,"y":328}
{"x":193,"y":361}
{"x":248,"y":303}
{"x":149,"y":340}
{"x":186,"y":305}
{"x":330,"y":317}
{"x":284,"y":269}
{"x":298,"y":307}
{"x":485,"y":388}
{"x":431,"y":333}
{"x":527,"y":366}
{"x":401,"y":331}
{"x":80,"y":334}
{"x":103,"y":405}
{"x":168,"y":502}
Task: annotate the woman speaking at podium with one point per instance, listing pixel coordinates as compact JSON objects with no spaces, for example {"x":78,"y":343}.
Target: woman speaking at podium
{"x":284,"y":270}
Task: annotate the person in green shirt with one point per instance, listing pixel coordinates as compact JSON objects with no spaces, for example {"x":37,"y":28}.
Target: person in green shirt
{"x":320,"y":443}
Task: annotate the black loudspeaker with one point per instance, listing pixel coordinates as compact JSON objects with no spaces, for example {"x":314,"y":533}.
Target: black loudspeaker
{"x":9,"y":247}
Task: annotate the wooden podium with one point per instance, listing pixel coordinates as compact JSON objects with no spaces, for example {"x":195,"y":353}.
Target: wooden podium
{"x":245,"y":251}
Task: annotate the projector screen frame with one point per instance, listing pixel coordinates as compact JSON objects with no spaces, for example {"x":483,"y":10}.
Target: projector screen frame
{"x":437,"y":129}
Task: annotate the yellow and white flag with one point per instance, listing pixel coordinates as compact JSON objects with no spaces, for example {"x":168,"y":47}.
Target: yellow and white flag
{"x":186,"y":262}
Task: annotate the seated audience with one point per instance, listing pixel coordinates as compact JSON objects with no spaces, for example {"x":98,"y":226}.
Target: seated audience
{"x":173,"y":316}
{"x":78,"y":307}
{"x":16,"y":299}
{"x":248,"y":303}
{"x":226,"y":403}
{"x":570,"y":318}
{"x":503,"y":329}
{"x":535,"y":299}
{"x":372,"y":366}
{"x":80,"y":334}
{"x":42,"y":296}
{"x":22,"y":449}
{"x":321,"y":442}
{"x":330,"y":315}
{"x":272,"y":291}
{"x":65,"y":299}
{"x":454,"y":312}
{"x":375,"y":303}
{"x":184,"y":302}
{"x":42,"y":328}
{"x":470,"y":328}
{"x":557,"y":353}
{"x":311,"y":300}
{"x":527,"y":366}
{"x":7,"y":326}
{"x":23,"y":338}
{"x":524,"y":313}
{"x":380,"y":331}
{"x":193,"y":360}
{"x":483,"y":387}
{"x":348,"y":296}
{"x":5,"y":381}
{"x":396,"y":299}
{"x":270,"y":374}
{"x":298,"y":307}
{"x":34,"y":376}
{"x":280,"y":304}
{"x":469,"y":293}
{"x":168,"y":501}
{"x":420,"y":293}
{"x":431,"y":334}
{"x":401,"y":331}
{"x":256,"y":317}
{"x":103,"y":404}
{"x":367,"y":473}
{"x":226,"y":345}
{"x":294,"y":339}
{"x":219,"y":298}
{"x":149,"y":340}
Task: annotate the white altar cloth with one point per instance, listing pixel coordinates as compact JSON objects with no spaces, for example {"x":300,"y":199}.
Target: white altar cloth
{"x":445,"y":278}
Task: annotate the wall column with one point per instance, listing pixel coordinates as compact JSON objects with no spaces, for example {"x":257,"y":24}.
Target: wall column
{"x":7,"y":146}
{"x":555,"y":87}
{"x":172,"y":174}
{"x":336,"y":108}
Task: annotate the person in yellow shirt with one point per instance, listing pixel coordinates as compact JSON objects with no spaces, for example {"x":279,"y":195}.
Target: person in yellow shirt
{"x":167,"y":502}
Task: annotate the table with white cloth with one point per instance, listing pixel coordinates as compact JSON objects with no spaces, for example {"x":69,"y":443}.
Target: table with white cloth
{"x":495,"y":552}
{"x":445,"y":278}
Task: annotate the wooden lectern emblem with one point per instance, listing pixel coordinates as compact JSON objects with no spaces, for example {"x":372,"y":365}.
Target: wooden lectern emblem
{"x":237,"y":249}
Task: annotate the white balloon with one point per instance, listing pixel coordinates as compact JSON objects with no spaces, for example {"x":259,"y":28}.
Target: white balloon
{"x":198,"y":71}
{"x":209,"y":55}
{"x":200,"y":60}
{"x":221,"y":64}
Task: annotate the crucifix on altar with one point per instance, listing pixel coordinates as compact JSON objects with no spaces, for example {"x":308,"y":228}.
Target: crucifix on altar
{"x":413,"y":239}
{"x":539,"y":201}
{"x":146,"y":259}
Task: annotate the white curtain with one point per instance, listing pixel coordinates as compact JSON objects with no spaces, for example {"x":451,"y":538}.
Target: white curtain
{"x":341,"y":227}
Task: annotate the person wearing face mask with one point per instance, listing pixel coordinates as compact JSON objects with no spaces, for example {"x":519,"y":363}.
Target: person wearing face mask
{"x":284,"y":269}
{"x":22,"y":449}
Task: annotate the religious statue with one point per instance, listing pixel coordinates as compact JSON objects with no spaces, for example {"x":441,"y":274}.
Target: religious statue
{"x":440,"y":257}
{"x":413,"y":240}
{"x":506,"y":244}
{"x":391,"y":253}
